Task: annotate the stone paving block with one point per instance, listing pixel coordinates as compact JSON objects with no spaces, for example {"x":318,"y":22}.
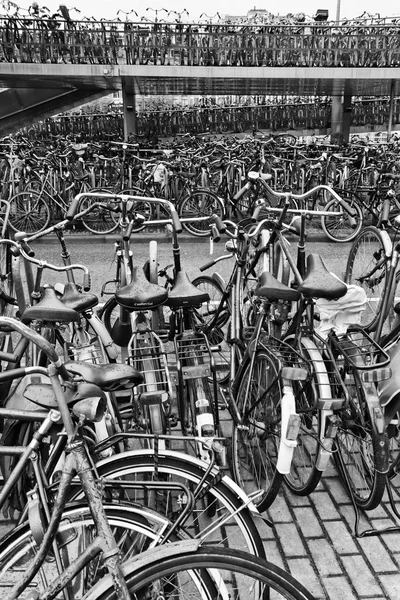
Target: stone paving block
{"x":347,"y":512}
{"x":335,"y":487}
{"x":273,"y":554}
{"x":377,"y":554}
{"x":360,"y":575}
{"x":391,"y":586}
{"x":341,"y":538}
{"x":295,"y":500}
{"x":290,"y":539}
{"x":279,"y":511}
{"x":302,"y":570}
{"x":326,"y":508}
{"x":324,"y":557}
{"x":307,"y":521}
{"x":339,"y":587}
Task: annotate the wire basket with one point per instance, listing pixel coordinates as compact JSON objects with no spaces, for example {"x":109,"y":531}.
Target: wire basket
{"x":147,"y":354}
{"x":193,"y":355}
{"x":360,"y":350}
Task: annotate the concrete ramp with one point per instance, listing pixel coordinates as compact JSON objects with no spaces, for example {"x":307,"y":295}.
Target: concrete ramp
{"x":21,"y":107}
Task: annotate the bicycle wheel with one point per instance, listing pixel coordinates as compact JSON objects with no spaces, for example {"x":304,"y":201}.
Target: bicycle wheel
{"x":304,"y":475}
{"x":180,"y":576}
{"x":200,"y":203}
{"x":100,"y":220}
{"x":212,"y":488}
{"x":135,"y":528}
{"x":7,"y":308}
{"x":138,"y":206}
{"x":255,"y":442}
{"x":362,"y":453}
{"x":29,"y":212}
{"x":215,"y":324}
{"x":343,"y":227}
{"x":367,"y":268}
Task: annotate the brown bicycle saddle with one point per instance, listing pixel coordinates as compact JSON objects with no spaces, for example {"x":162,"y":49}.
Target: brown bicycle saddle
{"x":270,"y":288}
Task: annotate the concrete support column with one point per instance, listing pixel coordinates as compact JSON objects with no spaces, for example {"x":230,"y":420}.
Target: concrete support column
{"x":337,"y":120}
{"x":391,"y":109}
{"x":346,"y":117}
{"x":129,"y":106}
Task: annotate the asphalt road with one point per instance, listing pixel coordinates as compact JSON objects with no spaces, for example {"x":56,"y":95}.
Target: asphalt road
{"x":98,"y":254}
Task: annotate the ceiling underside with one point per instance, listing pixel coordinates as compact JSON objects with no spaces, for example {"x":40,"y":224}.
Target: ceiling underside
{"x":181,"y":80}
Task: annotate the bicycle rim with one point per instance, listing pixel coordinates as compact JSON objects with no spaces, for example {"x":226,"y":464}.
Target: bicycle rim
{"x":366,"y":252}
{"x":361,"y":452}
{"x":177,"y":466}
{"x":255,"y":442}
{"x":214,"y":326}
{"x":201,"y":203}
{"x":341,"y":228}
{"x":29,"y":212}
{"x":99,"y":220}
{"x":238,"y":574}
{"x":135,"y":529}
{"x":304,"y":476}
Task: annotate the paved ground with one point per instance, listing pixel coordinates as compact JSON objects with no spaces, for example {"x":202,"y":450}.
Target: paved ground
{"x":313,"y":538}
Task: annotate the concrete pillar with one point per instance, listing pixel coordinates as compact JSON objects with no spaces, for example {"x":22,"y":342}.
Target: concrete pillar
{"x":129,"y":106}
{"x":337,"y":120}
{"x":346,"y":117}
{"x":391,"y":108}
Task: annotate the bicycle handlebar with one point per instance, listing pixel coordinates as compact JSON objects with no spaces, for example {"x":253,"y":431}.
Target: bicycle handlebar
{"x":38,"y":340}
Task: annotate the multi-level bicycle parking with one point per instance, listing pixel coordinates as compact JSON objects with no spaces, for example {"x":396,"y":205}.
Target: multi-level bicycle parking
{"x":120,"y":429}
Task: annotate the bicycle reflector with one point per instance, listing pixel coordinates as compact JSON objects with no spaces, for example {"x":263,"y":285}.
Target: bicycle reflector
{"x":375,"y":375}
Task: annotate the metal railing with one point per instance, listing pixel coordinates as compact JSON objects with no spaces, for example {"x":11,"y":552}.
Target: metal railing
{"x":369,"y":43}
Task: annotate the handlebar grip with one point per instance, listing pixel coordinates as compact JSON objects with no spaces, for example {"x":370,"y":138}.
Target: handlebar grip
{"x":220,"y":225}
{"x":73,"y":208}
{"x":86,"y":282}
{"x":215,"y":234}
{"x":256,"y":212}
{"x":207,"y":266}
{"x":27,"y":249}
{"x":176,"y":222}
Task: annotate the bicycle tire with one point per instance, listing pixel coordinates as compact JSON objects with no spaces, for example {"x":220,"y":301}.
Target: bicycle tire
{"x":7,"y":309}
{"x":135,"y":528}
{"x":367,"y":250}
{"x":29,"y":212}
{"x":216,"y":329}
{"x":99,"y":221}
{"x":362,"y":453}
{"x":255,"y":441}
{"x":177,"y":466}
{"x":304,"y":475}
{"x":138,"y":206}
{"x":340,"y":228}
{"x":200,"y":203}
{"x":241,"y":576}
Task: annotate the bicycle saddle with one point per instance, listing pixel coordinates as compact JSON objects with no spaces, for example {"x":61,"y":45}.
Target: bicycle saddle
{"x":270,"y":288}
{"x":185,"y":294}
{"x":50,"y":309}
{"x":79,"y":301}
{"x":109,"y":378}
{"x":319,"y":282}
{"x":140,"y":294}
